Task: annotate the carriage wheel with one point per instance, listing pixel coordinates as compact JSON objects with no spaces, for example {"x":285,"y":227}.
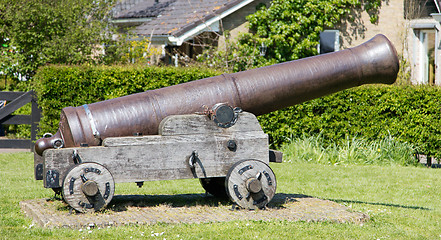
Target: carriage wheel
{"x":88,"y":187}
{"x":251,"y":184}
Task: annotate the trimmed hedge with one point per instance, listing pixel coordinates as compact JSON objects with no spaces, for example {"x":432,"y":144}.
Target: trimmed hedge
{"x":408,"y":113}
{"x":62,"y":86}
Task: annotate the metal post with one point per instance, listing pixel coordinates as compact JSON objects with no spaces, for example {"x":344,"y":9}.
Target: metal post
{"x":35,"y":119}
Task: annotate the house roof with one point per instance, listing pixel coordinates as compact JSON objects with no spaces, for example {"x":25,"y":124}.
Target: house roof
{"x":176,"y":21}
{"x":145,"y":9}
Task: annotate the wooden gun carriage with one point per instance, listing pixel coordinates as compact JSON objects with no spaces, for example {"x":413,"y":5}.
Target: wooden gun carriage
{"x":158,"y":135}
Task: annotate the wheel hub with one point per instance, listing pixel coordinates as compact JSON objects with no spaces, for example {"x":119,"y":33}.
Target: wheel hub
{"x":253,"y":185}
{"x":90,"y":188}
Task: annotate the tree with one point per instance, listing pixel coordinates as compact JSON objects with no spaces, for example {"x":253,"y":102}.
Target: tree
{"x":289,"y":30}
{"x":43,"y":32}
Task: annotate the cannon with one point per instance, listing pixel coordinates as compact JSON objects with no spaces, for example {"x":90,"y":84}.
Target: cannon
{"x":205,"y":129}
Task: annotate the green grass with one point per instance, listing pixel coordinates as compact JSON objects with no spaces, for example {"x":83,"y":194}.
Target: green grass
{"x":403,"y":203}
{"x":387,"y":151}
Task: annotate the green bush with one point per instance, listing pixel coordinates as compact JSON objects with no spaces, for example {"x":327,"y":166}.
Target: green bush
{"x":62,"y":86}
{"x":408,"y":113}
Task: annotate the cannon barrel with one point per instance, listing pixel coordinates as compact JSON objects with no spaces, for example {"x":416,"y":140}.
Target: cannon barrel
{"x":258,"y":91}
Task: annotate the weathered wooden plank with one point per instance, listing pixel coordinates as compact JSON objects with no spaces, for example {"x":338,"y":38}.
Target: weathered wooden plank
{"x":190,"y":125}
{"x":9,"y":96}
{"x":201,"y":124}
{"x":193,"y":147}
{"x":16,"y":119}
{"x":35,"y":117}
{"x":19,"y":99}
{"x":15,"y":143}
{"x":16,"y":104}
{"x":165,"y":157}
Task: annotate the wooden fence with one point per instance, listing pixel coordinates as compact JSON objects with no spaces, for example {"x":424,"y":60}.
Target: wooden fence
{"x":15,"y":101}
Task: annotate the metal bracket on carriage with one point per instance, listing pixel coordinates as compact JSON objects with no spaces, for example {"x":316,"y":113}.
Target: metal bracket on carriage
{"x":192,"y":161}
{"x":76,"y":157}
{"x":222,"y":114}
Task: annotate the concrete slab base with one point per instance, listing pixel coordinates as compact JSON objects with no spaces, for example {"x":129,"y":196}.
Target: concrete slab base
{"x":186,"y":208}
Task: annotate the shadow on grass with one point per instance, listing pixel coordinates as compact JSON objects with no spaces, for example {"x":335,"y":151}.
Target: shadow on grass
{"x":120,"y":203}
{"x":381,"y":204}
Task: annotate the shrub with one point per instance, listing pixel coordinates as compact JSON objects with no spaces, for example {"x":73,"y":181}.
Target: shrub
{"x":408,"y":113}
{"x":61,"y":86}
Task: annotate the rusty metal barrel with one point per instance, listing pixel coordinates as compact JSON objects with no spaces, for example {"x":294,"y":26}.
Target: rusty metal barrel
{"x":258,"y":91}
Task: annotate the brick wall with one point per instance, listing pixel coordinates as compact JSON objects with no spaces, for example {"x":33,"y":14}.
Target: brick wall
{"x":391,"y":23}
{"x":353,"y":32}
{"x":236,"y":22}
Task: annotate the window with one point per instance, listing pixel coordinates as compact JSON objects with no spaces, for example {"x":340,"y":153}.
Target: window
{"x":424,"y":60}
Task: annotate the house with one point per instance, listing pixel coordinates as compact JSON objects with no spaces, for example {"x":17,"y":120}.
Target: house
{"x":184,"y":27}
{"x":411,"y":27}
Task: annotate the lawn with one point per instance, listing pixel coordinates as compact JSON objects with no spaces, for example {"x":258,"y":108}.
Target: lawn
{"x":401,"y":201}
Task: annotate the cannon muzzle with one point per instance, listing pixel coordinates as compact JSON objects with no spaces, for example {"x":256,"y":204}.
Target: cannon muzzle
{"x":258,"y":91}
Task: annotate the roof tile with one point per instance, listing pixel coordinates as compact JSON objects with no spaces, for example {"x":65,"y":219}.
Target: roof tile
{"x":174,"y":17}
